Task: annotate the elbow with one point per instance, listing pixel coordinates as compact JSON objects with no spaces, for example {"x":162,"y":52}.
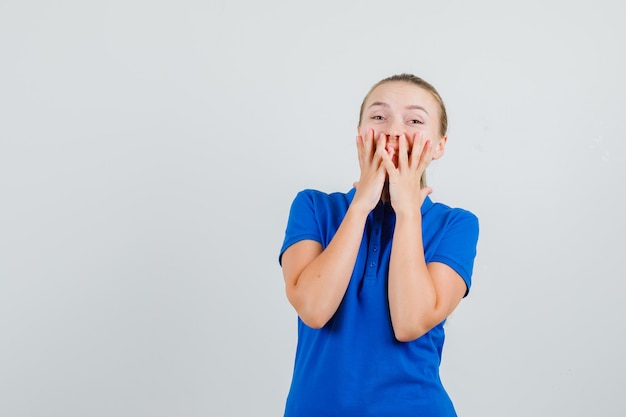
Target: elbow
{"x":311,"y":312}
{"x":408,"y":330}
{"x":406,"y":334}
{"x":313,"y":321}
{"x":314,"y":317}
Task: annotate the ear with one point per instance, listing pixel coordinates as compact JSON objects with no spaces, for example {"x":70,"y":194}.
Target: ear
{"x":440,"y":147}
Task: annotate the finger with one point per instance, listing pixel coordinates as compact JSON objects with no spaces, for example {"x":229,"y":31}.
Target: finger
{"x":423,"y":150}
{"x":417,"y":148}
{"x":369,"y":144}
{"x":427,"y":154}
{"x":403,"y":157}
{"x":387,"y":163}
{"x":381,"y":142}
{"x":355,"y":184}
{"x":387,"y":157}
{"x":360,"y":147}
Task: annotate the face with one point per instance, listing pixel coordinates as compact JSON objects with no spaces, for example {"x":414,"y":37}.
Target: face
{"x":396,"y":108}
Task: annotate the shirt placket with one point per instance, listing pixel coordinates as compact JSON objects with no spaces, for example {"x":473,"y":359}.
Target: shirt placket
{"x":373,"y":250}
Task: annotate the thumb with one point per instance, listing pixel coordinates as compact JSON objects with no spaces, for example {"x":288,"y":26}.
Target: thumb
{"x":355,"y":184}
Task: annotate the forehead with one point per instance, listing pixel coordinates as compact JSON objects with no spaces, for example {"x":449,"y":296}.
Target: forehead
{"x":402,"y":93}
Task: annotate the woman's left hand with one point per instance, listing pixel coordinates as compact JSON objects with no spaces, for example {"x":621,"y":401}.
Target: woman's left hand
{"x":405,"y":190}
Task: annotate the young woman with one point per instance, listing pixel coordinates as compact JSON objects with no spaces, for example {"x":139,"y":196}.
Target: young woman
{"x":374,"y":273}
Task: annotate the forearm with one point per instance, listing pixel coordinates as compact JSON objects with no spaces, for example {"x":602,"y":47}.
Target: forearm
{"x":321,"y":285}
{"x":412,"y":293}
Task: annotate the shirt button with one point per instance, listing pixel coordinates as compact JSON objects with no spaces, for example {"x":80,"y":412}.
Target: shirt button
{"x":372,"y":264}
{"x":374,"y":249}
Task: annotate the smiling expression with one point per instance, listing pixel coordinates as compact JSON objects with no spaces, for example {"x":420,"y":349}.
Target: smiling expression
{"x":401,"y":108}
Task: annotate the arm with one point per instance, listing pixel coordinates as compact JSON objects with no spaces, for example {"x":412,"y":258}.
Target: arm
{"x":316,"y":279}
{"x":420,"y":295}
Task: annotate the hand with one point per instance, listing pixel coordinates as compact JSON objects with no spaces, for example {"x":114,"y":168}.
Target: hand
{"x":404,"y":180}
{"x":372,"y":179}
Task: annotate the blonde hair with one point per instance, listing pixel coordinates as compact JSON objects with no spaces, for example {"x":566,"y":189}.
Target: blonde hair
{"x":415,"y":80}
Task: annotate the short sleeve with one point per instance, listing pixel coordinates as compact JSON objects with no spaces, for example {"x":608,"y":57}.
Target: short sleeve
{"x":302,"y":224}
{"x":457,"y":247}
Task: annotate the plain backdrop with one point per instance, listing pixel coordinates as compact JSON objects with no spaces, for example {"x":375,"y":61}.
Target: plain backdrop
{"x":150,"y":150}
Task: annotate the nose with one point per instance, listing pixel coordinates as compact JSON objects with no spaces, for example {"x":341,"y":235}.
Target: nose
{"x":395,"y":130}
{"x":393,"y":136}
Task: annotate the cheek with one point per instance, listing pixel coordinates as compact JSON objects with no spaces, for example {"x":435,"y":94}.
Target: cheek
{"x":430,"y":134}
{"x":364,"y":128}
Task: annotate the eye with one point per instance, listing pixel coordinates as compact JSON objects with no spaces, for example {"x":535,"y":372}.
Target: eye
{"x":416,"y":122}
{"x":377,"y":117}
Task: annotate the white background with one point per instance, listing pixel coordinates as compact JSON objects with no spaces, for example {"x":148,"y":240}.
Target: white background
{"x":149,"y":152}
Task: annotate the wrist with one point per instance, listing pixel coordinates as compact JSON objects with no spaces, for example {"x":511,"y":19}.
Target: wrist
{"x":358,"y":210}
{"x":411,"y":213}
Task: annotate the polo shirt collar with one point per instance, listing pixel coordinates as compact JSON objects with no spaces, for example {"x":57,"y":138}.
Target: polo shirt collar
{"x":426,"y":205}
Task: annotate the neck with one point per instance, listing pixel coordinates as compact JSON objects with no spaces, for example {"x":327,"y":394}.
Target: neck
{"x":384,"y":196}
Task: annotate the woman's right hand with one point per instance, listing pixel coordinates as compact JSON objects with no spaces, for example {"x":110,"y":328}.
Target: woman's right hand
{"x":370,"y":185}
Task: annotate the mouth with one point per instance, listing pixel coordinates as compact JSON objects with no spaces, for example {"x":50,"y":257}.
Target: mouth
{"x":395,"y":157}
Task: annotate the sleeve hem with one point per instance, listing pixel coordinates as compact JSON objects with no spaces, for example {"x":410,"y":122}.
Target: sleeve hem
{"x":457,"y":268}
{"x":296,"y":239}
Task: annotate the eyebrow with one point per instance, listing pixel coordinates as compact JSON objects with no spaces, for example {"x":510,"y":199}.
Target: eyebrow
{"x":409,"y":107}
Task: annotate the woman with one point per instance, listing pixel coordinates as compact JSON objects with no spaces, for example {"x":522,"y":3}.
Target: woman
{"x":374,"y":273}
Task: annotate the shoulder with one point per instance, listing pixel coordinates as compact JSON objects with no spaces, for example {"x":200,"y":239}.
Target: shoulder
{"x":454,"y":225}
{"x":317,"y":195}
{"x":444,"y":214}
{"x":320,"y":200}
{"x":451,"y":237}
{"x":315,"y":215}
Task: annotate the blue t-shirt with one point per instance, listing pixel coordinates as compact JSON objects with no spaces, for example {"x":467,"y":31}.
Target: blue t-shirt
{"x":354,"y":366}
